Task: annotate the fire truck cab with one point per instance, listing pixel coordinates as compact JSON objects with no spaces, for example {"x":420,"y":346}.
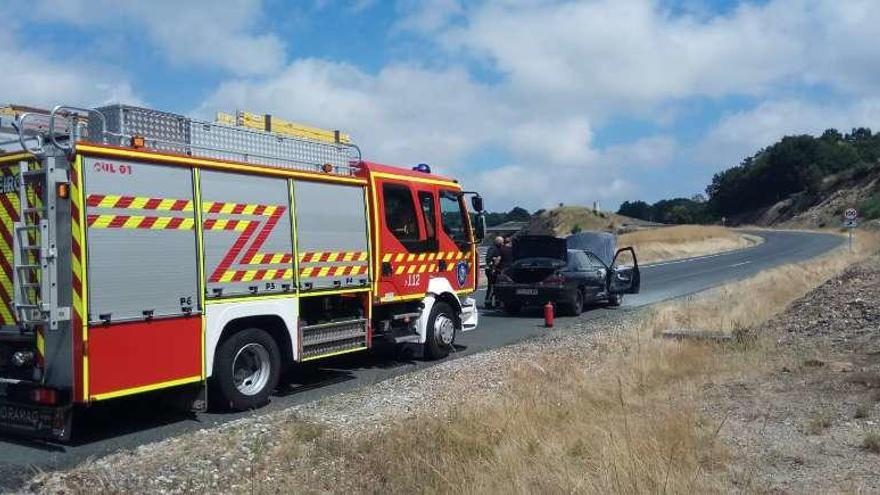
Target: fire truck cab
{"x":143,"y":250}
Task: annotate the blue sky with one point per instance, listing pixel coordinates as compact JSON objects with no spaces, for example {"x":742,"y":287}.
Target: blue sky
{"x":534,"y":102}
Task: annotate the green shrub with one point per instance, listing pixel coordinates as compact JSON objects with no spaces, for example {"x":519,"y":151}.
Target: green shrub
{"x":870,"y":208}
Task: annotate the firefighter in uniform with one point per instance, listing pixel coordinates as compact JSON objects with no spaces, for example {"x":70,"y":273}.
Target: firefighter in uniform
{"x":498,"y":256}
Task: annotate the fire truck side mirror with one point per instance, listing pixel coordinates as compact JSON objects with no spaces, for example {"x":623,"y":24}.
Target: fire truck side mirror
{"x":480,"y":233}
{"x":477,"y":203}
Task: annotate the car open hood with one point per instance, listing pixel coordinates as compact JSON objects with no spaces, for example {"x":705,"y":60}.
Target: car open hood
{"x":602,"y":244}
{"x":540,"y":246}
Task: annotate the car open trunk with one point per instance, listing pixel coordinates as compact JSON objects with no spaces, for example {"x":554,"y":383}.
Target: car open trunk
{"x":536,"y":257}
{"x":531,"y":270}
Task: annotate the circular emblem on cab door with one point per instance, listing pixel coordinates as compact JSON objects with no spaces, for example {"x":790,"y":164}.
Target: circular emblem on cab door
{"x":461,"y":272}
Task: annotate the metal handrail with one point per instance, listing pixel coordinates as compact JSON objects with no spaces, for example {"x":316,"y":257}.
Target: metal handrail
{"x":88,"y":113}
{"x":21,"y":139}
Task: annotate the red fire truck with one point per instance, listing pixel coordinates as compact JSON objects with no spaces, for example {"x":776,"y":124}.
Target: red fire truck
{"x":144,"y":250}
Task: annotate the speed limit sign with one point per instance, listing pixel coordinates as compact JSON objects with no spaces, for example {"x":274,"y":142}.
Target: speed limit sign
{"x":850,"y":214}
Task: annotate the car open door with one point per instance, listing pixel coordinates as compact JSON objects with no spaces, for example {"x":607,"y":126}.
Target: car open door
{"x":624,"y":279}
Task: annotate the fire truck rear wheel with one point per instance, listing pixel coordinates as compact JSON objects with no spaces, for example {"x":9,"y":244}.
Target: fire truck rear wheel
{"x":246,"y":370}
{"x":440,"y":333}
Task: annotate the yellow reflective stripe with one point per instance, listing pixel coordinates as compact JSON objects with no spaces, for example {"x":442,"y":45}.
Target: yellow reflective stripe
{"x":307,"y":271}
{"x":108,"y":201}
{"x":288,"y":273}
{"x":399,"y":257}
{"x":422,"y":268}
{"x":41,"y":344}
{"x":332,"y":257}
{"x":399,"y":270}
{"x":324,"y":271}
{"x":411,"y":257}
{"x":6,"y":314}
{"x":133,"y":222}
{"x":101,"y":222}
{"x":422,"y":256}
{"x":411,"y":269}
{"x":138,"y":203}
{"x":249,"y":275}
{"x":145,"y":388}
{"x":249,"y":209}
{"x":385,"y":258}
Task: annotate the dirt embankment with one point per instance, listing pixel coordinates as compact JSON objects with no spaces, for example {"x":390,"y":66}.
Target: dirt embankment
{"x":810,"y":423}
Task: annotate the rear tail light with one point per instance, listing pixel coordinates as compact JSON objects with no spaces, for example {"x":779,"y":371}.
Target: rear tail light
{"x":44,"y":396}
{"x":555,"y":279}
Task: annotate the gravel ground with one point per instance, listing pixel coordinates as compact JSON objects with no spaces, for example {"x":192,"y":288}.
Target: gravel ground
{"x":800,"y":427}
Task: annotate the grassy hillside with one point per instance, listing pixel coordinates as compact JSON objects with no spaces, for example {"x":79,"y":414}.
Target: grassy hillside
{"x":804,"y":181}
{"x":858,"y":188}
{"x":568,"y":219}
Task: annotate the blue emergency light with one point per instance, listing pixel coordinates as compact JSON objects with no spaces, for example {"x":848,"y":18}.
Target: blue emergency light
{"x":422,"y":167}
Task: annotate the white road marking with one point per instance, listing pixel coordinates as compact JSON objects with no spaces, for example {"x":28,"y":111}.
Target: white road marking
{"x":739,"y":264}
{"x":686,"y":260}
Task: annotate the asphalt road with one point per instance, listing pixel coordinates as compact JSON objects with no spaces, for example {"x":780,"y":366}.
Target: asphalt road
{"x":127,"y":423}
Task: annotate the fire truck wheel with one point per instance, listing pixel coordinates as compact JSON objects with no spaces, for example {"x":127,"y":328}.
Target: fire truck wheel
{"x":440,"y":331}
{"x":247,"y":369}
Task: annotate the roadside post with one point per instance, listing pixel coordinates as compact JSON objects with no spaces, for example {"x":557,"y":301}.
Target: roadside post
{"x":850,"y":222}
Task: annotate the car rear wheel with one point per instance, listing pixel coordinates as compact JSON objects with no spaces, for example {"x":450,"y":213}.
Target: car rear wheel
{"x":247,"y":369}
{"x":577,"y":307}
{"x":440,"y":332}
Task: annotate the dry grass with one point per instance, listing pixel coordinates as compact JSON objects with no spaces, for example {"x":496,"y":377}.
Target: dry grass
{"x":871,"y":443}
{"x":684,"y":241}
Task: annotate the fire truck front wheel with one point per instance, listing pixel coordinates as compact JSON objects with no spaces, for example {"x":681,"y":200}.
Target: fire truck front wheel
{"x":246,"y":369}
{"x":440,"y":332}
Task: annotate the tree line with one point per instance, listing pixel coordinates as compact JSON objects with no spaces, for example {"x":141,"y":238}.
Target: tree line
{"x":794,"y":165}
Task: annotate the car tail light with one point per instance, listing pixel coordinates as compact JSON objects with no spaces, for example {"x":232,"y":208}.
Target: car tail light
{"x":555,"y":279}
{"x":44,"y":396}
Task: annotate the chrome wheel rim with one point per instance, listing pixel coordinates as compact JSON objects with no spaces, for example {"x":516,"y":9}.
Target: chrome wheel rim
{"x":251,"y":369}
{"x":444,"y":329}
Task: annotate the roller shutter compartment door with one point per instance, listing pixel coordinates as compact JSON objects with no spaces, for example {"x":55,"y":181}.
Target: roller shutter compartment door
{"x":331,"y":236}
{"x":141,"y":240}
{"x":247,"y":234}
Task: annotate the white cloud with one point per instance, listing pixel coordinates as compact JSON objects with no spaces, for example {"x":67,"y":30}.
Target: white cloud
{"x":612,"y":56}
{"x":651,"y":151}
{"x":32,"y":78}
{"x":202,"y":32}
{"x":568,"y":141}
{"x":427,"y":16}
{"x":538,"y":185}
{"x":403,"y":114}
